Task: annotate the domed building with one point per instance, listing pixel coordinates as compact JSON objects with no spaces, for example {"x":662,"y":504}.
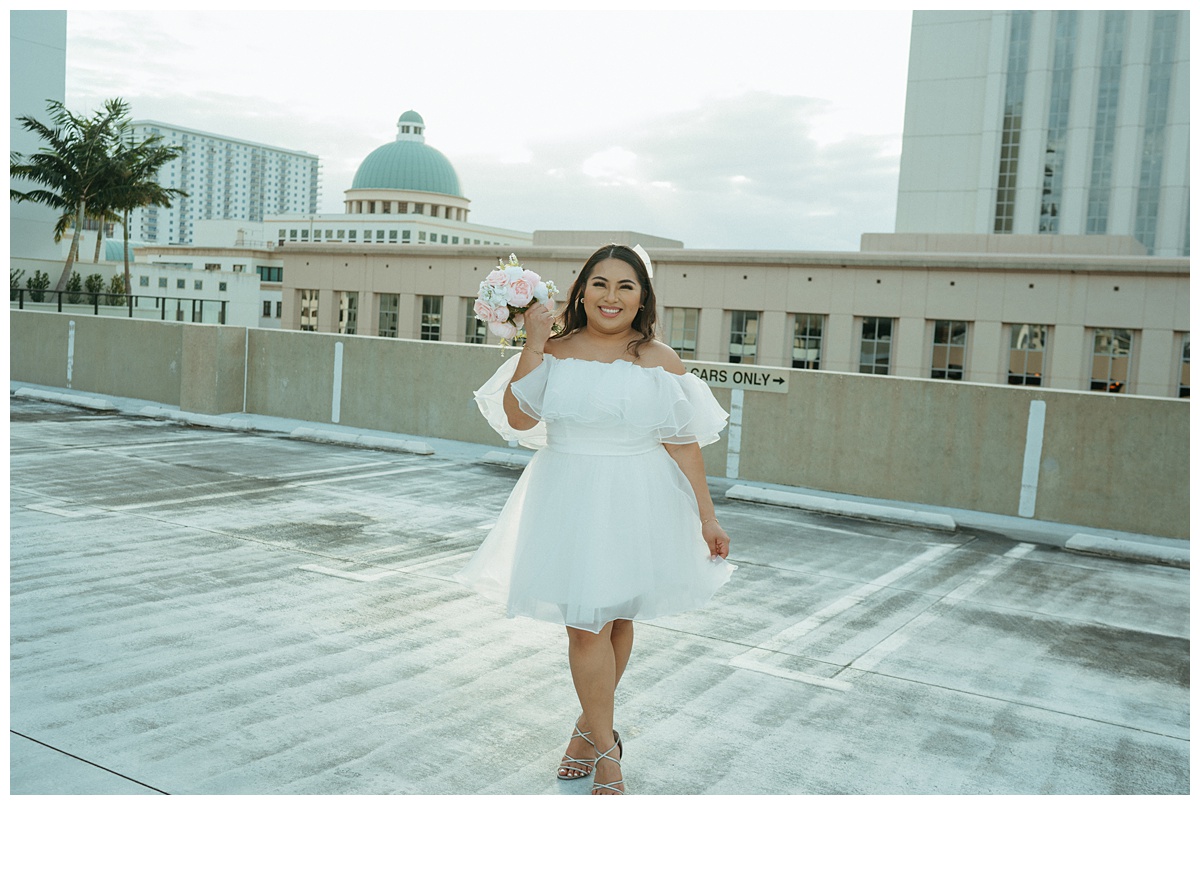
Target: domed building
{"x":405,"y":192}
{"x":407,"y":175}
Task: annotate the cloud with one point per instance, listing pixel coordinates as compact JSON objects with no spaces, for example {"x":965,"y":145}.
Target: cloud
{"x":745,"y":172}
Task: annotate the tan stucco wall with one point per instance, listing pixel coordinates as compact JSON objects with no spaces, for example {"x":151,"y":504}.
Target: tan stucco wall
{"x":1073,"y":294}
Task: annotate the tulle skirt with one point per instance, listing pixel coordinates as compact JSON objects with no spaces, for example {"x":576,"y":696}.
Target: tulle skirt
{"x":586,"y":539}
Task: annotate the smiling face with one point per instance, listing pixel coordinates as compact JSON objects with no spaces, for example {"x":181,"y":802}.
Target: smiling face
{"x":612,"y":296}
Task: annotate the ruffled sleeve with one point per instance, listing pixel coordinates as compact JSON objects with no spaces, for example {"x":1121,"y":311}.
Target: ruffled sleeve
{"x":529,"y":392}
{"x":695,"y":415}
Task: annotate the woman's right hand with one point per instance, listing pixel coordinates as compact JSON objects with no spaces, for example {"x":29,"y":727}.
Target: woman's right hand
{"x":539,"y":323}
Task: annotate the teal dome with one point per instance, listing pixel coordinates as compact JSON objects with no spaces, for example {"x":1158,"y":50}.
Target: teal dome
{"x":113,"y":252}
{"x":408,"y":164}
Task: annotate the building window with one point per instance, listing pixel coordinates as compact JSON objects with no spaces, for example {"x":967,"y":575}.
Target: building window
{"x":389,"y":315}
{"x":144,"y":282}
{"x":347,"y":313}
{"x":266,"y":308}
{"x":239,"y":268}
{"x":391,"y":236}
{"x":1027,"y":354}
{"x":1056,"y":127}
{"x":293,"y":236}
{"x":1105,"y":139}
{"x":270,"y":274}
{"x":419,"y":209}
{"x":421,"y":236}
{"x":353,"y":236}
{"x":1010,"y":135}
{"x":162,"y":282}
{"x":406,"y":235}
{"x":682,"y":323}
{"x":197,"y":285}
{"x":949,"y":349}
{"x":431,"y":317}
{"x":1154,"y":132}
{"x":1111,"y":352}
{"x":875,"y":351}
{"x":1185,"y":368}
{"x":402,"y":208}
{"x":278,"y":309}
{"x":309,"y":300}
{"x":743,"y":336}
{"x":180,"y":284}
{"x":366,"y":236}
{"x":807,"y":334}
{"x":476,"y":331}
{"x":341,"y":234}
{"x":222,"y":287}
{"x":328,"y":234}
{"x":212,"y":267}
{"x":445,"y":239}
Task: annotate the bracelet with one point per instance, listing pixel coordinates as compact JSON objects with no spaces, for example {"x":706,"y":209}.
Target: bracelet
{"x":710,"y":519}
{"x":527,"y":347}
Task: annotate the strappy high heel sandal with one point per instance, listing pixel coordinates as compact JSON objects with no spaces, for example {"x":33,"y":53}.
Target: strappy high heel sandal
{"x":576,"y":768}
{"x":617,"y":787}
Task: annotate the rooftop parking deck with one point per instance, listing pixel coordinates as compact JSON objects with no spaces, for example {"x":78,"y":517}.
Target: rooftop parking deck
{"x":200,"y":611}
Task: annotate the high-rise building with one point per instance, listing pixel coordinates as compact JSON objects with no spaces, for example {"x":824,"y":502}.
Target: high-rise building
{"x":1048,"y":122}
{"x":225,"y":178}
{"x":37,"y":72}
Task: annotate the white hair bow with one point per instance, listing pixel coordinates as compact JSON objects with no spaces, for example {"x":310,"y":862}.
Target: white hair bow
{"x":642,"y":254}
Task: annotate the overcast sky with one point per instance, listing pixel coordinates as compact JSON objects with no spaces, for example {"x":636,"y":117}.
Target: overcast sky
{"x":758,"y":130}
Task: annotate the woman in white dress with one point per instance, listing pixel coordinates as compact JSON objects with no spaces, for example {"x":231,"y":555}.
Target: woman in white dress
{"x":612,"y":519}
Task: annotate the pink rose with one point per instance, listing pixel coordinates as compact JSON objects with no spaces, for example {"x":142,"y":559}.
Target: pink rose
{"x":503,"y":330}
{"x":520,"y":292}
{"x":490,"y":313}
{"x":497,"y":279}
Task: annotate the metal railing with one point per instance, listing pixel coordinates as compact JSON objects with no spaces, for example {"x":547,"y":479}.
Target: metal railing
{"x":76,"y":302}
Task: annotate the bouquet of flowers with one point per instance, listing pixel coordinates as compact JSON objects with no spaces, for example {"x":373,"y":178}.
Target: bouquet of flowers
{"x":505,"y":296}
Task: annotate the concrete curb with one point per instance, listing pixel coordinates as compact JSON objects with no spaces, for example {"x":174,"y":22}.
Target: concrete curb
{"x":361,"y":440}
{"x":875,"y":512}
{"x":1098,"y":545}
{"x":506,"y":459}
{"x":69,"y":399}
{"x":219,"y":422}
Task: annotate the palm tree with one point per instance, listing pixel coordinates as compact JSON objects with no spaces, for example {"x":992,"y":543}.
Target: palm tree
{"x":133,"y":181}
{"x":70,"y":168}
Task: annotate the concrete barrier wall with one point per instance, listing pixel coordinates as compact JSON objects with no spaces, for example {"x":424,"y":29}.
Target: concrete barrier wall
{"x":142,"y":359}
{"x":1105,"y":461}
{"x":1117,"y":462}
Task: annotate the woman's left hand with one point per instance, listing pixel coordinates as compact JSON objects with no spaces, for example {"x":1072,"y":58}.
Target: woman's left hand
{"x":716,"y":539}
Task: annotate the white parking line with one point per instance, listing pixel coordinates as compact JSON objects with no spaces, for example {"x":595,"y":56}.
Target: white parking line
{"x":968,"y":588}
{"x":361,"y":577}
{"x":69,"y":514}
{"x":289,"y":485}
{"x":757,"y":658}
{"x":818,"y":619}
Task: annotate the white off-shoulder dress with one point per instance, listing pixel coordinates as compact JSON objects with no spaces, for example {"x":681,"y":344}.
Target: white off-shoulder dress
{"x":602,"y":523}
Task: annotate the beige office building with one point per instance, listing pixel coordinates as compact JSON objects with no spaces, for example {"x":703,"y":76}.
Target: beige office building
{"x":1074,"y":313}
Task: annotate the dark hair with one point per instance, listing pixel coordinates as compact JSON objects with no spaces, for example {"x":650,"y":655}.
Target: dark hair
{"x":574,"y":317}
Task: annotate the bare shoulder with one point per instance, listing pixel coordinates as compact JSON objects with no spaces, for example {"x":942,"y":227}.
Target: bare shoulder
{"x":560,"y":347}
{"x":656,"y":353}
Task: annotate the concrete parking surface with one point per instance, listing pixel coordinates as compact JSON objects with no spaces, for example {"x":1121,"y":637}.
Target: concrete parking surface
{"x":199,"y":611}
